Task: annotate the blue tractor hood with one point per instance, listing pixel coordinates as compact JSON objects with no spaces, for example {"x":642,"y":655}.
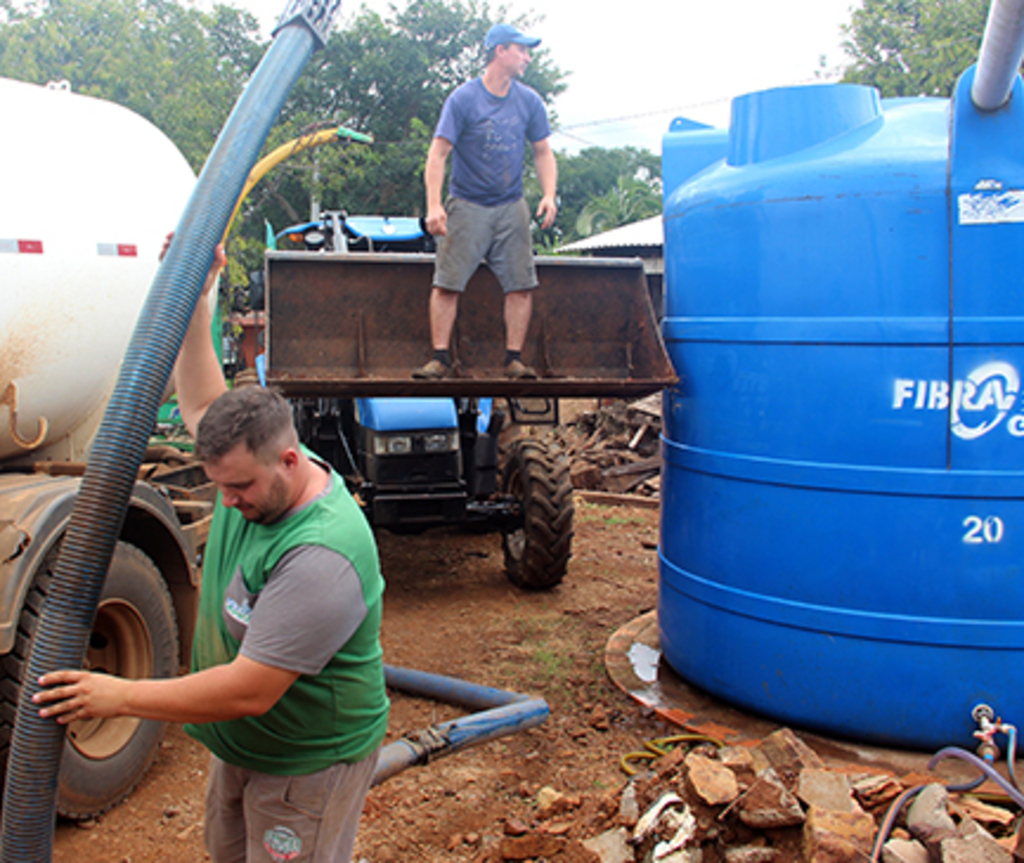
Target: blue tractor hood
{"x":382,"y":228}
{"x":402,"y":414}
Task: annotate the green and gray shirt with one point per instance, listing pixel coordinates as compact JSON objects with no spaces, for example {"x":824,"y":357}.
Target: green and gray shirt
{"x":303,"y":594}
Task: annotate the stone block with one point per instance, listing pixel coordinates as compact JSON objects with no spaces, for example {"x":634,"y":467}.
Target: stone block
{"x":904,"y":851}
{"x":826,"y":790}
{"x":768,"y":804}
{"x":928,"y":817}
{"x":979,"y":847}
{"x":751,"y":854}
{"x":612,"y":846}
{"x":788,"y":754}
{"x":837,"y":837}
{"x":713,"y":782}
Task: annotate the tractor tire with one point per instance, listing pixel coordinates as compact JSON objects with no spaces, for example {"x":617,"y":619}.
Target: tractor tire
{"x":134,"y":635}
{"x":537,"y":554}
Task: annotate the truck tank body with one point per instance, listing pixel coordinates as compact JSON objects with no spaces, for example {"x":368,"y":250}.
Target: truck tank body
{"x":843,"y":506}
{"x":90,"y":191}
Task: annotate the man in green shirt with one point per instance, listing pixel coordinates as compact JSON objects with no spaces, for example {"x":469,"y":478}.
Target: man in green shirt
{"x":287,"y":683}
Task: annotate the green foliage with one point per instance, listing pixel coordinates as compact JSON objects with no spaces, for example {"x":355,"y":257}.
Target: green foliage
{"x":632,"y":198}
{"x":590,"y":174}
{"x":180,"y":68}
{"x":385,"y":76}
{"x":380,"y":73}
{"x":913,"y":47}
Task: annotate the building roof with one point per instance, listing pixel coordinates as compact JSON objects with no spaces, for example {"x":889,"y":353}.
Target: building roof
{"x":643,"y":234}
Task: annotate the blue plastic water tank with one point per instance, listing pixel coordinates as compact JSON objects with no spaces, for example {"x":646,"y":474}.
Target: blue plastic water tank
{"x":842,"y":521}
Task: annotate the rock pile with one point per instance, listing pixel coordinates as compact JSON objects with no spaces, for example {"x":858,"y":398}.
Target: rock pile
{"x":772,"y":802}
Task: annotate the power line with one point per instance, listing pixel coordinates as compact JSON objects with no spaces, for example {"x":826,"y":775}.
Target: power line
{"x":643,"y":115}
{"x":823,"y":77}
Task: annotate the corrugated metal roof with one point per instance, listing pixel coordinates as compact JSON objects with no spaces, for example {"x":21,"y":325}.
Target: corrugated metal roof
{"x":646,"y":232}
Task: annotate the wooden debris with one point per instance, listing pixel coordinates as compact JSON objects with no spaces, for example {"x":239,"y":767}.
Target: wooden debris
{"x":616,"y":448}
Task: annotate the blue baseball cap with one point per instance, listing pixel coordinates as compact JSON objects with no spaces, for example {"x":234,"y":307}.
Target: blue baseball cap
{"x":502,"y":34}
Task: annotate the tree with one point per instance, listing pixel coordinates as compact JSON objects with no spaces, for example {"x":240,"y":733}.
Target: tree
{"x":913,"y":47}
{"x":632,"y":199}
{"x":590,"y":174}
{"x":386,"y":76}
{"x":180,"y":68}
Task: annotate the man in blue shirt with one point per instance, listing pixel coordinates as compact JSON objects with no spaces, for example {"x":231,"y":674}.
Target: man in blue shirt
{"x":485,"y":123}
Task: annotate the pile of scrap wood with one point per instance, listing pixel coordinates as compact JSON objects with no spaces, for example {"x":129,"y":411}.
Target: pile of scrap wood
{"x":615,"y":448}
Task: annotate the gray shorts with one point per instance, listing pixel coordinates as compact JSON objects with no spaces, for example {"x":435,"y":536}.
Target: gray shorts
{"x":497,"y":236}
{"x":255,"y":817}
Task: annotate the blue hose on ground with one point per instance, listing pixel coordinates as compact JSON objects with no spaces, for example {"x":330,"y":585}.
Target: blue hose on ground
{"x":987,"y":772}
{"x":99,"y":512}
{"x":503,"y":713}
{"x":984,"y":766}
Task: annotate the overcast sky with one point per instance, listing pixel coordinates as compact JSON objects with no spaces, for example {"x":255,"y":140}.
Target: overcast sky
{"x":636,"y":64}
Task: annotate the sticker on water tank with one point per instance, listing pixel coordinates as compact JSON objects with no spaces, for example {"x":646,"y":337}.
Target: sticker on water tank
{"x":990,"y":208}
{"x":979,"y":403}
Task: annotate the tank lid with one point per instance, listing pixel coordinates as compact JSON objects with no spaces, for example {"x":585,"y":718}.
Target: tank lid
{"x":773,"y":123}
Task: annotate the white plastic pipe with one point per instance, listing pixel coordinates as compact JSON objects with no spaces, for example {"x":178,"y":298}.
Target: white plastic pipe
{"x":1001,"y":51}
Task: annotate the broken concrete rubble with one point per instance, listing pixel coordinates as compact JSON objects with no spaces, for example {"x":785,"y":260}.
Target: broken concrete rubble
{"x":750,"y":854}
{"x":837,"y":837}
{"x":976,"y":848}
{"x":712,"y":781}
{"x":875,"y":789}
{"x":780,"y":803}
{"x":768,"y":805}
{"x":928,"y":818}
{"x":970,"y":844}
{"x":904,"y":851}
{"x":826,"y":789}
{"x":612,"y":846}
{"x":787,"y":753}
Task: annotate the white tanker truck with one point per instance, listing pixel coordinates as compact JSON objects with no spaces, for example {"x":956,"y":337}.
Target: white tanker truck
{"x":89,"y":191}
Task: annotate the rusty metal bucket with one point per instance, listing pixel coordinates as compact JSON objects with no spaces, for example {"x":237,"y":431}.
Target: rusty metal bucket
{"x":354,"y":324}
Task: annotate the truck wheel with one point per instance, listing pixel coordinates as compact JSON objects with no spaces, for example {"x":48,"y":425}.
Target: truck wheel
{"x":134,"y":636}
{"x":537,"y":554}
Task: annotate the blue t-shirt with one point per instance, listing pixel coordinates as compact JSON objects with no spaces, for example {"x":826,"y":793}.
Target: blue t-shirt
{"x":488,"y":134}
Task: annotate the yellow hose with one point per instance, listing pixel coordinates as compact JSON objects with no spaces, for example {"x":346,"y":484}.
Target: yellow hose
{"x":661,"y":746}
{"x":291,"y":148}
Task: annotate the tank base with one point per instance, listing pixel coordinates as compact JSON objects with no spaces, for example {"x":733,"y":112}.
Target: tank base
{"x":634,"y":662}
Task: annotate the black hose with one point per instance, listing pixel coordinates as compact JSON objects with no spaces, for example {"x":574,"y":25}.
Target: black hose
{"x":99,"y":512}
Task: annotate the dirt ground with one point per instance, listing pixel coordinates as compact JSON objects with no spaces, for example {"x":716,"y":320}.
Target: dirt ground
{"x":449,"y":609}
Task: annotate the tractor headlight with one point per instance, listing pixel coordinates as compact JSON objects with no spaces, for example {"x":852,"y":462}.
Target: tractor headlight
{"x":440,"y":442}
{"x":425,"y":443}
{"x":392,"y":444}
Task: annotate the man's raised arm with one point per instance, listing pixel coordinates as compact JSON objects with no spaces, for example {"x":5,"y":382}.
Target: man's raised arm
{"x":198,"y":377}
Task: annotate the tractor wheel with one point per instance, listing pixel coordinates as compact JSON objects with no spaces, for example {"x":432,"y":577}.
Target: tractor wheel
{"x":135,"y":636}
{"x":538,"y":552}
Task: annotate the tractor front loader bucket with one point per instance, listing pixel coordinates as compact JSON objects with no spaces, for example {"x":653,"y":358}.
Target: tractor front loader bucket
{"x":356,"y":324}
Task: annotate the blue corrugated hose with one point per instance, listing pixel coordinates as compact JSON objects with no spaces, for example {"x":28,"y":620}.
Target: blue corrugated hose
{"x":60,"y":640}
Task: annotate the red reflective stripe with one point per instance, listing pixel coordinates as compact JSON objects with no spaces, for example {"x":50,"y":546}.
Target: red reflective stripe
{"x":30,"y":247}
{"x":127,"y":251}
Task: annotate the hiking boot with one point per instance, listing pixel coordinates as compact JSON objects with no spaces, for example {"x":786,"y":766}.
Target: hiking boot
{"x":519,"y":371}
{"x":435,"y":370}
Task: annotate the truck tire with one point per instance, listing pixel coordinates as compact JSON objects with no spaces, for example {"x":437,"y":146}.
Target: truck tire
{"x":537,"y":554}
{"x":135,"y":636}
